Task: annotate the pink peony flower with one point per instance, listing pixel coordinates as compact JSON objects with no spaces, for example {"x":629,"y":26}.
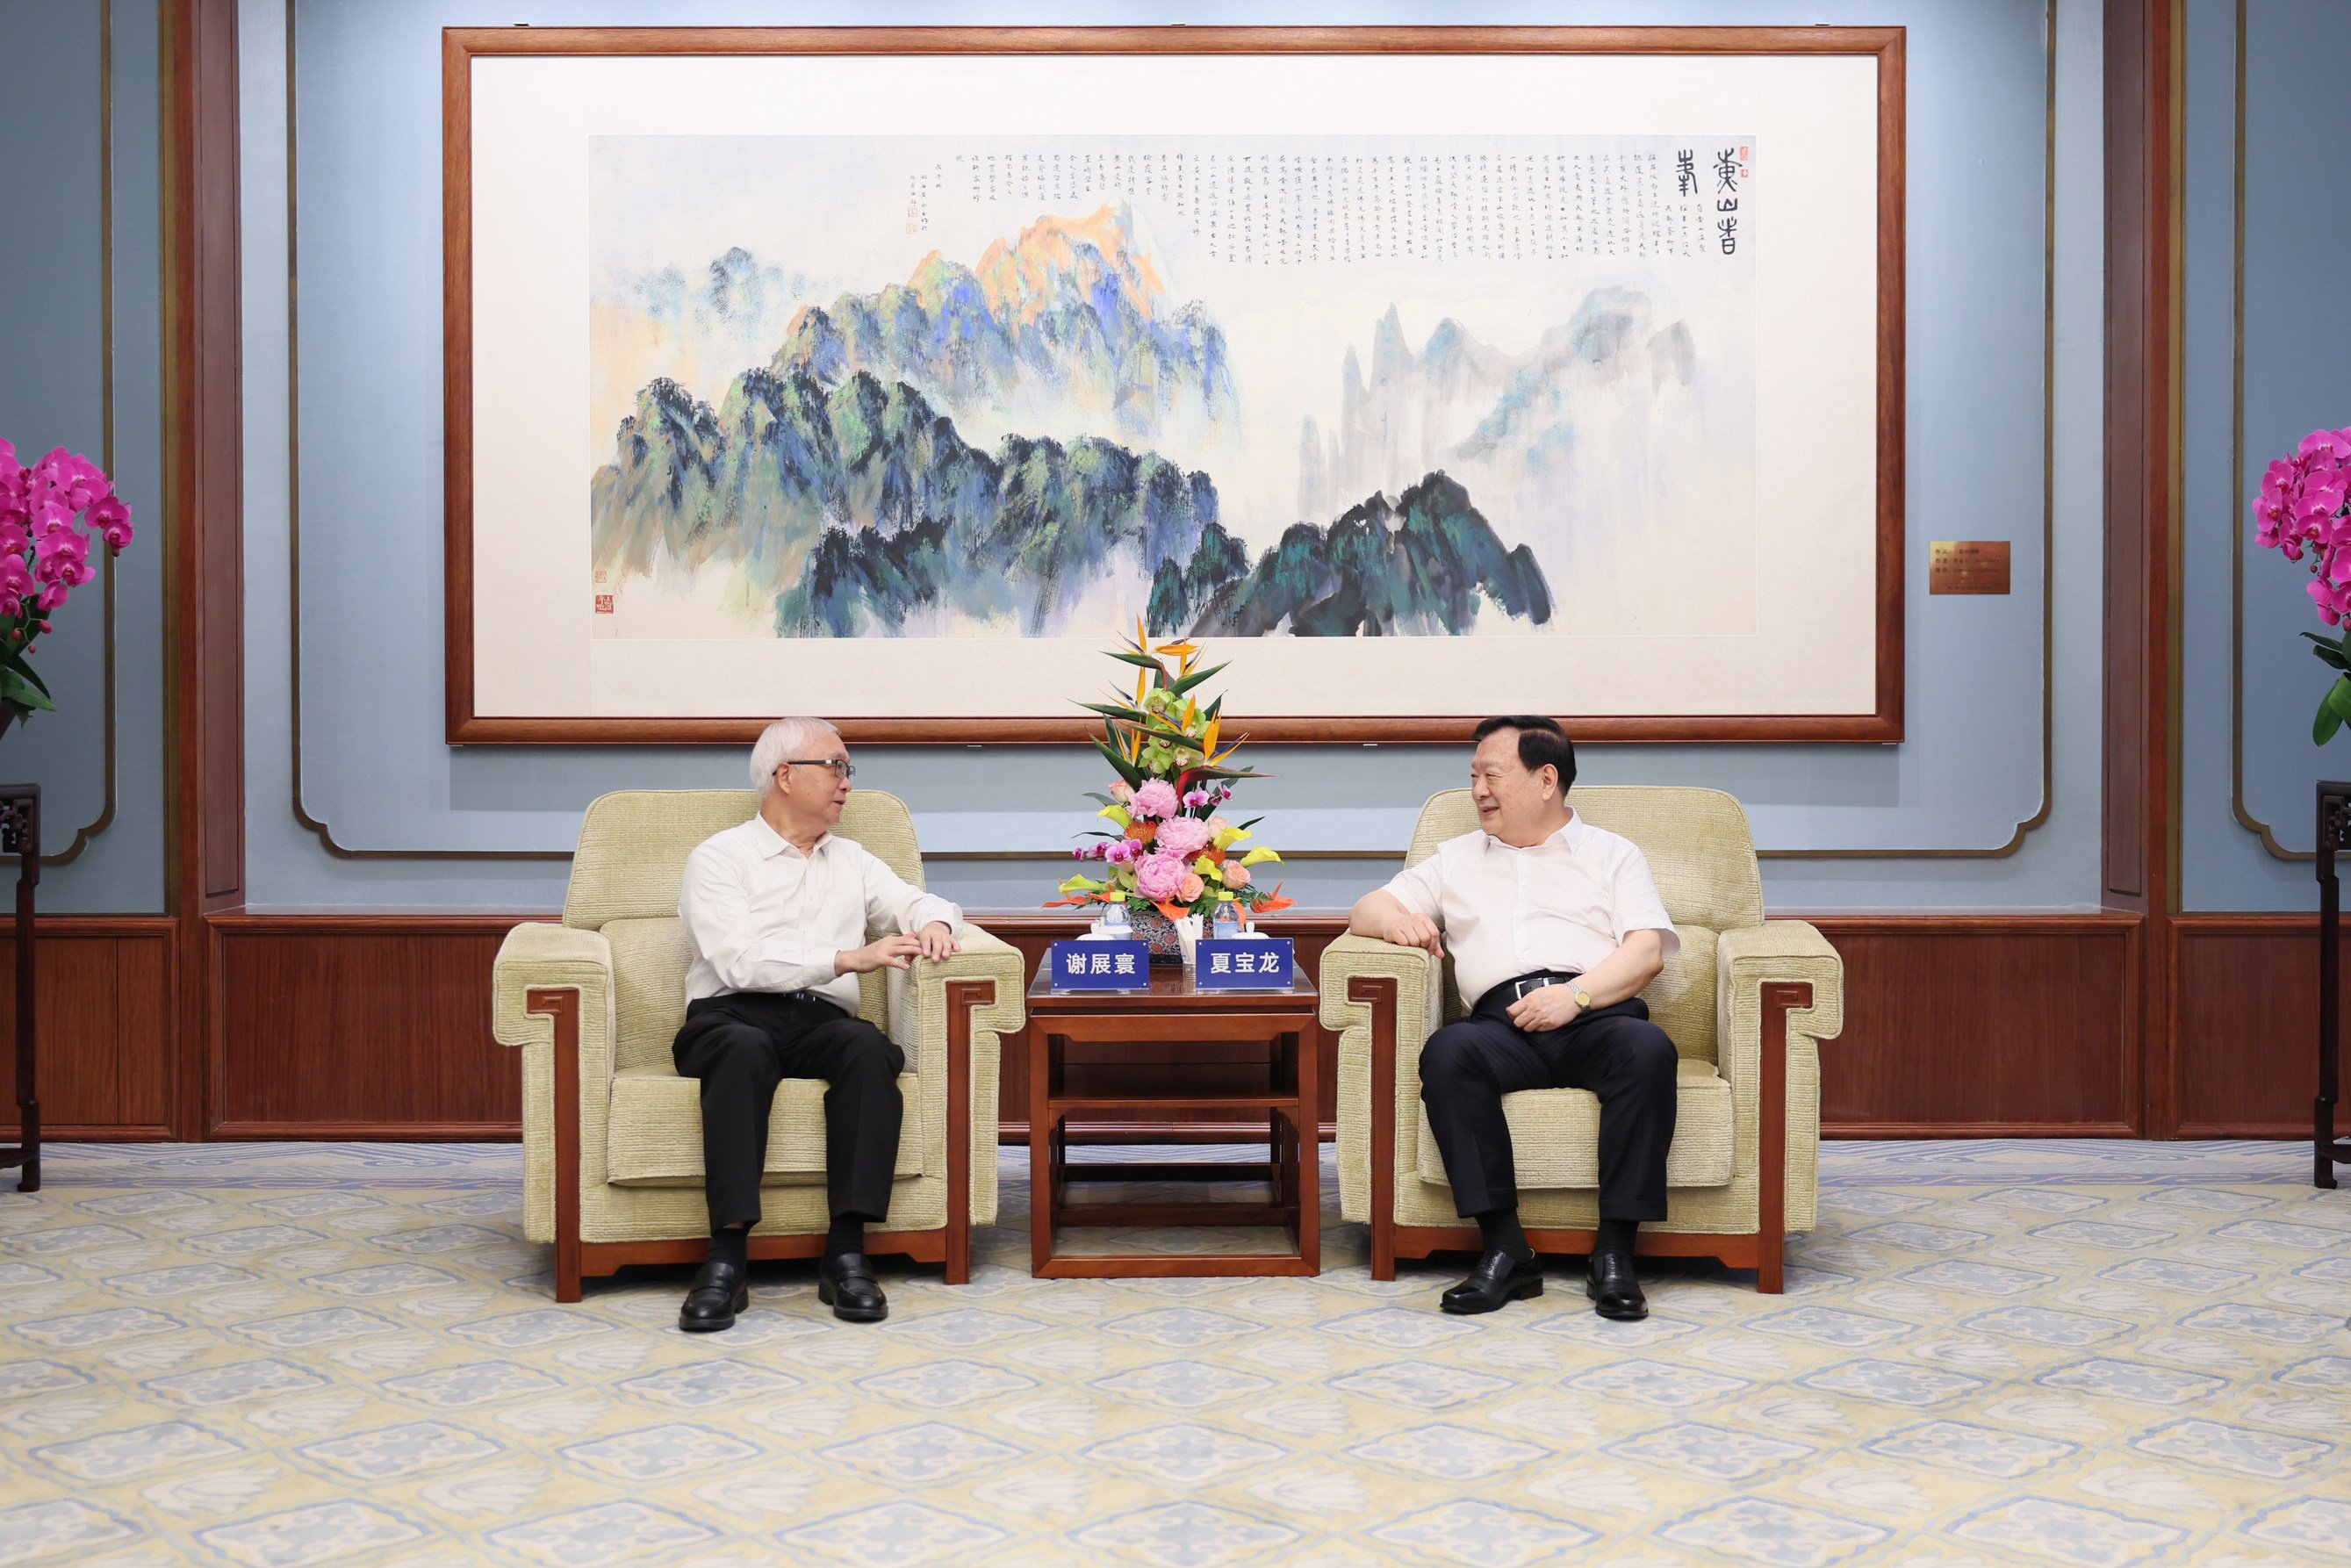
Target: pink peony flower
{"x":1236,"y":875}
{"x":1160,"y":877}
{"x":1187,"y":836}
{"x":1190,"y":888}
{"x":1154,"y":799}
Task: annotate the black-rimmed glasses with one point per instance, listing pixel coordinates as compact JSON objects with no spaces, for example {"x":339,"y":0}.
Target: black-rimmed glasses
{"x":840,"y":765}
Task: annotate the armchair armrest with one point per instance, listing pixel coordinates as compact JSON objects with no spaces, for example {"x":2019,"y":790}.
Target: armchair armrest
{"x":1379,"y":1068}
{"x":1789,"y":951}
{"x":918,"y":1006}
{"x":1779,"y":991}
{"x":1349,"y":957}
{"x":949,"y":1018}
{"x":540,"y":955}
{"x":566,"y":1071}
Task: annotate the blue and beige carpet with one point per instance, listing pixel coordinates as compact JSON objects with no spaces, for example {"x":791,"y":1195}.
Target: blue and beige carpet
{"x":2086,"y":1353}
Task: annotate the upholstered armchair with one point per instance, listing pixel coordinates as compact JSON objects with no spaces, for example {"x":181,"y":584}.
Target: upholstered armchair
{"x":612,"y":1135}
{"x":1746,"y":1001}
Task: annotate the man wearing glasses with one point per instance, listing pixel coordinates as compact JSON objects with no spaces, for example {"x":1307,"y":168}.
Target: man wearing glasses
{"x":777,"y":911}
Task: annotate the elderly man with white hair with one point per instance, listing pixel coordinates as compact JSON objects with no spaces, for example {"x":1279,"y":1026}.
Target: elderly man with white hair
{"x":776,"y":910}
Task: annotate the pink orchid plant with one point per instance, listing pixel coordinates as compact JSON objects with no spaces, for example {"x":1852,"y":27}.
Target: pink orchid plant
{"x":2303,"y":512}
{"x":50,"y":515}
{"x":1167,"y":849}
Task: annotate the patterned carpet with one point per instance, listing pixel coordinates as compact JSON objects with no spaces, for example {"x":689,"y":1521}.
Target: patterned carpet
{"x":2086,"y":1353}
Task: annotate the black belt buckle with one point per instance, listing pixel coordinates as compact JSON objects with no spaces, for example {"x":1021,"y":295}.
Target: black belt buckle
{"x":1521,"y":986}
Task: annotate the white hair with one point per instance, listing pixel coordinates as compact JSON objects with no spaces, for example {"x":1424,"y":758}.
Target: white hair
{"x":779,"y":743}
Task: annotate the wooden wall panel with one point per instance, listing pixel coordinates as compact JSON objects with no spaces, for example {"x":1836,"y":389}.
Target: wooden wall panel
{"x":378,"y":1026}
{"x":2247,"y":1055}
{"x":1956,"y":1026}
{"x":360,"y":1027}
{"x":1967,"y":1026}
{"x":104,"y":997}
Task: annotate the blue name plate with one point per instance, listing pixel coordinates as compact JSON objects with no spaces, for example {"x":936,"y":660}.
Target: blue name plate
{"x":1100,"y":965}
{"x":1243,"y":964}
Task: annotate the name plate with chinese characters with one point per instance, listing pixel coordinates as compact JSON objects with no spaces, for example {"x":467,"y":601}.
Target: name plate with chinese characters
{"x":1101,"y":966}
{"x":1243,"y":964}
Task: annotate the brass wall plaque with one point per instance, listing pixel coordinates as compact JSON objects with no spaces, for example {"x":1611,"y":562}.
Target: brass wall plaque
{"x":1968,"y":565}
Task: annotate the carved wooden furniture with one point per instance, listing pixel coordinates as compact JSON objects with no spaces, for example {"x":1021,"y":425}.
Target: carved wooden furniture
{"x":1746,"y":1001}
{"x":20,"y":835}
{"x":1178,"y":1021}
{"x":2326,"y":1150}
{"x":612,"y":1134}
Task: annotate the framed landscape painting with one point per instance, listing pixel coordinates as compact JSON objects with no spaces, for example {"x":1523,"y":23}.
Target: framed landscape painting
{"x":1423,"y":373}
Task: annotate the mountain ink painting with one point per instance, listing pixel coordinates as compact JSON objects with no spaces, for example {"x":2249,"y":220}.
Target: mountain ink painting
{"x":1037,"y":387}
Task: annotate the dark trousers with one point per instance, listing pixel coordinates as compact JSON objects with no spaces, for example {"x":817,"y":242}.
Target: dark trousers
{"x":741,"y":1046}
{"x":1614,"y":1052}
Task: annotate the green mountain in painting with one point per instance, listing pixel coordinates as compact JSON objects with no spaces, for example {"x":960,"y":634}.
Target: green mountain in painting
{"x":859,"y":511}
{"x":1422,"y":564}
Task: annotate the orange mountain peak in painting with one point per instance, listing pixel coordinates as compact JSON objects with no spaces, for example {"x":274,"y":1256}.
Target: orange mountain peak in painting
{"x":1019,"y":279}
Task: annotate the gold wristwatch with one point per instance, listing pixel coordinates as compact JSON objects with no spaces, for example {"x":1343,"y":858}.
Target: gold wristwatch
{"x":1583,"y":997}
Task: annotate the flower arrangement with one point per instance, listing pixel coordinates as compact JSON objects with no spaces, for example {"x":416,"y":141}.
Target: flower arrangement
{"x":49,"y":513}
{"x":1168,"y":853}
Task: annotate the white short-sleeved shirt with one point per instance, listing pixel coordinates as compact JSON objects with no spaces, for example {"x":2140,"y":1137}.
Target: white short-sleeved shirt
{"x":1565,"y":904}
{"x":762,"y":917}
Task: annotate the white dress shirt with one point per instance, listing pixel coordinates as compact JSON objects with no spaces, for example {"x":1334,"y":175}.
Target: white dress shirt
{"x":1565,"y":904}
{"x":762,"y":917}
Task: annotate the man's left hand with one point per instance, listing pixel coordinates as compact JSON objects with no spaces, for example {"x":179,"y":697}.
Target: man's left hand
{"x":1545,"y":1008}
{"x":937,"y":941}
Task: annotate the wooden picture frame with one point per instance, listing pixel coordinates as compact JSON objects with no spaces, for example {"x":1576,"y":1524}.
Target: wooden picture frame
{"x":1878,"y":719}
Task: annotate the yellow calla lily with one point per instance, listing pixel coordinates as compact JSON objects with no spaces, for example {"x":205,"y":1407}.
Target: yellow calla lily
{"x":1206,"y":867}
{"x":1231,"y":836}
{"x":1116,"y":813}
{"x":1082,"y":885}
{"x":1259,"y":856}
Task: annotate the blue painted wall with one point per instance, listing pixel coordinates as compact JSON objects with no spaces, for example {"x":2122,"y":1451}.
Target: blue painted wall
{"x":56,"y":109}
{"x":2295,"y":348}
{"x":367,"y":192}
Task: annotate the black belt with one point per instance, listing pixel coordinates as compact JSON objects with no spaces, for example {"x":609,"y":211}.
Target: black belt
{"x":1512,"y":991}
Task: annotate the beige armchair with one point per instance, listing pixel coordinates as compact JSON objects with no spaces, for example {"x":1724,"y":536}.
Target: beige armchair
{"x":1746,"y":1001}
{"x":612,"y":1135}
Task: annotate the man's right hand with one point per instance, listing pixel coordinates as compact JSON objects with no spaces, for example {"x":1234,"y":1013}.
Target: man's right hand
{"x":1414,"y":931}
{"x":894,"y":952}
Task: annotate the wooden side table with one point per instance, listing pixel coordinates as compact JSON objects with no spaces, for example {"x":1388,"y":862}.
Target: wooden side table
{"x":20,"y":835}
{"x":1177,"y":1016}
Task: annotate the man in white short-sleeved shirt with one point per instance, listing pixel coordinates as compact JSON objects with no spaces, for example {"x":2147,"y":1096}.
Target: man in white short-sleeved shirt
{"x":1555,"y":927}
{"x":776,"y":910}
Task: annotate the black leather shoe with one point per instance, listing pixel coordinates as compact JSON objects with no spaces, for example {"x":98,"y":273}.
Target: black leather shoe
{"x":1614,"y":1292}
{"x":717,"y":1293}
{"x":1497,"y":1281}
{"x":845,"y":1282}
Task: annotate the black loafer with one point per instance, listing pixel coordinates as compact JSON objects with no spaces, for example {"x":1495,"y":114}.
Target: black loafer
{"x":719,"y":1290}
{"x":1497,"y":1281}
{"x":1614,"y":1292}
{"x":847,"y":1285}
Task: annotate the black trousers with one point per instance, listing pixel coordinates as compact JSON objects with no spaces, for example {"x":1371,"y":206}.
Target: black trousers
{"x":1614,"y":1052}
{"x":741,"y":1046}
